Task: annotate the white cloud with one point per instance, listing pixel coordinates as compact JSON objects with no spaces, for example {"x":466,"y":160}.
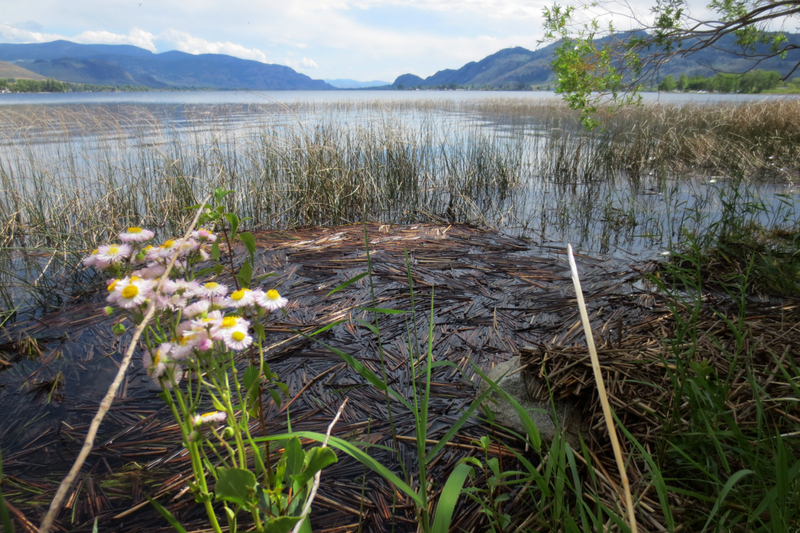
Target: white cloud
{"x":136,"y":37}
{"x":195,"y":45}
{"x":303,"y":64}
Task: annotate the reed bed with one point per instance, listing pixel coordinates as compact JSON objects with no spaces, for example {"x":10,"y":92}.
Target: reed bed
{"x":71,"y":177}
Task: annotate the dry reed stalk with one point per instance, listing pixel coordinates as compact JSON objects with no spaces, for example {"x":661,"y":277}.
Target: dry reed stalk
{"x":105,"y":405}
{"x":601,"y":390}
{"x":318,"y":475}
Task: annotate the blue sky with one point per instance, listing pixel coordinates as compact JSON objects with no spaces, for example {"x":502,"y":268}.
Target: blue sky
{"x":361,"y":39}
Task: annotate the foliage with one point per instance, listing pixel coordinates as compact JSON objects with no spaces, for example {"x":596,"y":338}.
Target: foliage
{"x":193,"y":349}
{"x":597,"y":66}
{"x":53,"y":86}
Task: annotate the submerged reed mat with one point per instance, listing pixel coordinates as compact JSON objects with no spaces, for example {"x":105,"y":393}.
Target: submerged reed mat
{"x":492,"y":295}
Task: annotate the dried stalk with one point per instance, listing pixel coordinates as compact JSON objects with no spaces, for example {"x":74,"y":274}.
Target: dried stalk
{"x":601,"y":390}
{"x":315,"y":486}
{"x":105,"y":405}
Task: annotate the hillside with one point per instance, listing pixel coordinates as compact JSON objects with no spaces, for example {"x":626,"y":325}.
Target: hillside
{"x":130,"y":65}
{"x":518,"y":67}
{"x":10,"y":70}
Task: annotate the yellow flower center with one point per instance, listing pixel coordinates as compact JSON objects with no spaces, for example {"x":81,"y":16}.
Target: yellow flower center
{"x":134,"y":230}
{"x":148,"y":247}
{"x":113,"y":285}
{"x":229,"y":322}
{"x":113,"y":250}
{"x":157,"y":358}
{"x":95,"y":251}
{"x":169,"y":244}
{"x":238,"y":336}
{"x":211,"y":285}
{"x":135,"y":278}
{"x":130,"y":291}
{"x":237,"y":295}
{"x":272,"y":294}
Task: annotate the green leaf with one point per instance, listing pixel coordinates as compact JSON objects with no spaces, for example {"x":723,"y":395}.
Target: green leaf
{"x":249,"y":243}
{"x":316,"y":460}
{"x":295,"y":457}
{"x":220,"y":193}
{"x":236,"y":485}
{"x":233,"y":220}
{"x":164,"y":512}
{"x":449,"y":497}
{"x":215,"y":250}
{"x":245,"y":274}
{"x":282,"y":524}
{"x":348,"y":282}
{"x":382,"y":310}
{"x":724,"y":492}
{"x":357,"y":454}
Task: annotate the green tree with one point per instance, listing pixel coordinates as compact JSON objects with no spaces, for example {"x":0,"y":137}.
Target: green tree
{"x":593,"y":63}
{"x":667,"y":84}
{"x":683,"y":82}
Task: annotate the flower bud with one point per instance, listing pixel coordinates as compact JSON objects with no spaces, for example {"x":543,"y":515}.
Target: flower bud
{"x":228,"y":433}
{"x":118,"y":329}
{"x":108,"y":310}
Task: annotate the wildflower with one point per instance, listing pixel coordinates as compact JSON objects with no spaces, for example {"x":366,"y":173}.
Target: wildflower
{"x":197,"y":308}
{"x":271,"y":300}
{"x":132,"y":292}
{"x":240,"y":298}
{"x":152,"y":271}
{"x":113,"y":253}
{"x":93,"y":260}
{"x":214,"y":417}
{"x":136,"y":234}
{"x":203,"y":235}
{"x":212,"y":289}
{"x":237,"y":340}
{"x":227,"y":326}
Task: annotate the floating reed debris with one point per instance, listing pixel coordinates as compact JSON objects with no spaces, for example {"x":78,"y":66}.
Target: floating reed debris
{"x":494,"y":295}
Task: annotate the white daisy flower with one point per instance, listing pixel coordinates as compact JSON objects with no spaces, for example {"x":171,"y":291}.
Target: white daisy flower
{"x":271,"y":300}
{"x":132,"y":292}
{"x":237,"y":340}
{"x":212,"y":289}
{"x":227,"y":326}
{"x":135,"y":234}
{"x":197,"y":308}
{"x":113,"y":253}
{"x":240,"y":298}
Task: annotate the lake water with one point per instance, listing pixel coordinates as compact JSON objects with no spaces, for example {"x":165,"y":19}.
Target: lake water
{"x":267,"y":97}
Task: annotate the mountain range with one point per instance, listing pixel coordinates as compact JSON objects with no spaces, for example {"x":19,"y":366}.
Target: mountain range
{"x":515,"y":68}
{"x":114,"y":64}
{"x":511,"y":68}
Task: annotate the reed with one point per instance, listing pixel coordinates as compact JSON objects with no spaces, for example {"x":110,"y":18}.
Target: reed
{"x":70,"y":177}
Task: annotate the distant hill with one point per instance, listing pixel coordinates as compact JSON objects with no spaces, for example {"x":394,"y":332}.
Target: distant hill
{"x":514,"y":68}
{"x":129,"y":65}
{"x":353,"y":84}
{"x":10,"y":70}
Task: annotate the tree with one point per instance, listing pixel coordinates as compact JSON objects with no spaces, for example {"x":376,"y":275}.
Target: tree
{"x":683,"y":82}
{"x":598,"y":66}
{"x":667,"y":84}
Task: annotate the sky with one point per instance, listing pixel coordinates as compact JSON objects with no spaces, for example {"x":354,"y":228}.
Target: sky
{"x":363,"y":40}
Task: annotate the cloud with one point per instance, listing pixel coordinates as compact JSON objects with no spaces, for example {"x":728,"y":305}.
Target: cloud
{"x":16,"y":34}
{"x":195,"y":45}
{"x":303,"y":64}
{"x":136,"y":37}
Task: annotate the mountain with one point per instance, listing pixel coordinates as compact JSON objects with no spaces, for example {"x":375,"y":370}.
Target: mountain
{"x":112,"y":64}
{"x":507,"y":69}
{"x":518,"y":67}
{"x":353,"y":84}
{"x":10,"y":70}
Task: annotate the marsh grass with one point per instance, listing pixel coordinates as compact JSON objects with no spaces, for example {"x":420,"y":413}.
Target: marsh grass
{"x":72,"y":177}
